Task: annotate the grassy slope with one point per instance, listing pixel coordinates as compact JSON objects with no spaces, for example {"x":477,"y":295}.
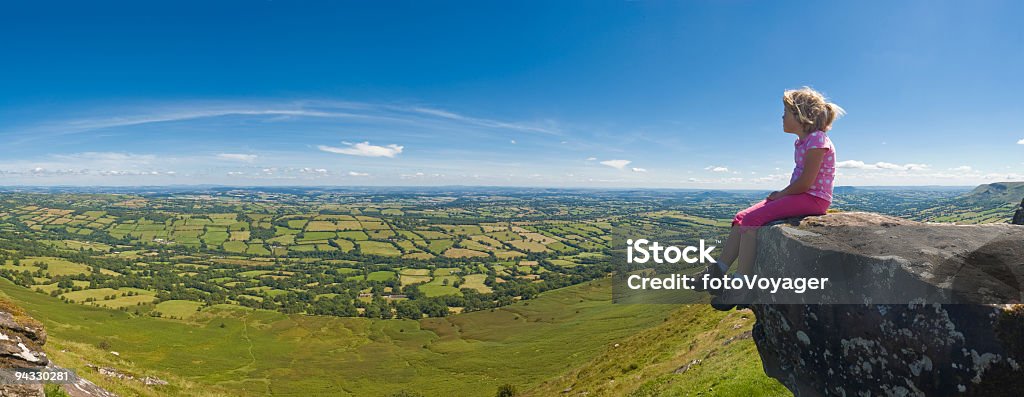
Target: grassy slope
{"x":645,"y":364}
{"x":469,"y":354}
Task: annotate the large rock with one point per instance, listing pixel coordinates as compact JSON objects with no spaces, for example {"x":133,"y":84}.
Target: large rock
{"x":926,"y":347}
{"x":21,"y":346}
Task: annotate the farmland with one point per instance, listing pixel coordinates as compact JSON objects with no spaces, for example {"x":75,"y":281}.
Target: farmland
{"x":226,"y":292}
{"x":344,"y":254}
{"x":348,"y":253}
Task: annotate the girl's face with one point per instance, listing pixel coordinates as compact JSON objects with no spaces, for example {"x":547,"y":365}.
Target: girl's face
{"x":790,"y":123}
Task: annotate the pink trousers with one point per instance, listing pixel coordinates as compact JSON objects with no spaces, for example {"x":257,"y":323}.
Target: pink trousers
{"x":784,"y":207}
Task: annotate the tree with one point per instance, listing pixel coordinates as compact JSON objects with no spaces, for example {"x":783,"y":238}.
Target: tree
{"x":506,"y":390}
{"x":409,"y":309}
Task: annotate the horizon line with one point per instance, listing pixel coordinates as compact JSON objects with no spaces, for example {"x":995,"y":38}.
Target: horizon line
{"x":469,"y":186}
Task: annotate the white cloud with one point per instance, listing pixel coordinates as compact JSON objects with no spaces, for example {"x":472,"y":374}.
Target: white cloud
{"x":881,"y":165}
{"x":354,"y":173}
{"x":513,"y":141}
{"x":591,"y":158}
{"x":364,"y":149}
{"x":1020,"y":142}
{"x":964,"y":168}
{"x":108,"y":158}
{"x":412,"y":176}
{"x":309,"y":170}
{"x":636,"y":169}
{"x":716,"y":168}
{"x":238,"y":157}
{"x":617,"y":164}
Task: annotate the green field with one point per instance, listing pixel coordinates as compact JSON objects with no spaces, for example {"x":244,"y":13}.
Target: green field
{"x":378,"y":248}
{"x":476,"y":281}
{"x":178,"y":308}
{"x":258,"y":351}
{"x":239,"y":274}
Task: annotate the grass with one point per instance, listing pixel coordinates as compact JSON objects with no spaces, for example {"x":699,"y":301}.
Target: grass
{"x":378,"y":248}
{"x":441,"y":285}
{"x":464,"y":253}
{"x":178,"y":308}
{"x":126,"y":301}
{"x":438,"y":246}
{"x":235,"y":246}
{"x":353,"y":235}
{"x":297,"y":223}
{"x":418,"y":255}
{"x":414,"y":276}
{"x":382,"y":275}
{"x":722,"y":358}
{"x":528,"y":246}
{"x":258,"y":352}
{"x":55,"y":266}
{"x":476,"y":281}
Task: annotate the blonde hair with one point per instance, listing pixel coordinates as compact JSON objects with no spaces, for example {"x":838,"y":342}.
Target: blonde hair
{"x":811,"y":108}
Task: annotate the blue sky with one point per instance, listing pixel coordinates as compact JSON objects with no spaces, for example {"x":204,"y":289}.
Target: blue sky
{"x":524,"y":93}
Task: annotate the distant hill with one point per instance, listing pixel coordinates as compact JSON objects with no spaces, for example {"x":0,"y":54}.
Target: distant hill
{"x":999,"y":192}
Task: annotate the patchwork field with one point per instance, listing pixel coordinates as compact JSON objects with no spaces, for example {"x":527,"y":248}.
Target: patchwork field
{"x":252,"y":352}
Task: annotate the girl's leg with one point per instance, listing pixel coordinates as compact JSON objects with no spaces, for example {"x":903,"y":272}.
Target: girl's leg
{"x":747,"y":251}
{"x":785,"y":207}
{"x":731,"y":249}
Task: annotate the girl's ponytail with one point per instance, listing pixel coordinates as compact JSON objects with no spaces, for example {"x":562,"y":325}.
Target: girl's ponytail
{"x":832,"y":112}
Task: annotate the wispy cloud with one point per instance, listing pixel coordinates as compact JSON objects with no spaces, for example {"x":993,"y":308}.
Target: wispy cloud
{"x":1020,"y":142}
{"x":169,"y":115}
{"x":278,"y":110}
{"x":714,"y":168}
{"x":488,"y":122}
{"x":881,"y":165}
{"x":637,"y":169}
{"x":364,"y":149}
{"x":238,"y":157}
{"x":617,"y":164}
{"x":115,"y":157}
{"x":354,"y":173}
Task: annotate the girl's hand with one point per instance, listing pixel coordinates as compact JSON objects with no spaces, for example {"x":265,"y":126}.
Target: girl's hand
{"x":774,"y":195}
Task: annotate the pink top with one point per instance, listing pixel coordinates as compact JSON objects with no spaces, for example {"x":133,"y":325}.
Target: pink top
{"x":822,"y":185}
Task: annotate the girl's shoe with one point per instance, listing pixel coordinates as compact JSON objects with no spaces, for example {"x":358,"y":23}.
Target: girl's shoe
{"x":713,"y":271}
{"x":738,"y":298}
{"x":718,"y":303}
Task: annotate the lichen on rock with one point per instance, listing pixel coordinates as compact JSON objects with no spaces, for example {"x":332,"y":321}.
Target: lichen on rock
{"x":21,"y":346}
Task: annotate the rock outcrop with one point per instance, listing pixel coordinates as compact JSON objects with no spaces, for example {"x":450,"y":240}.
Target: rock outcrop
{"x":21,"y":346}
{"x":922,"y":347}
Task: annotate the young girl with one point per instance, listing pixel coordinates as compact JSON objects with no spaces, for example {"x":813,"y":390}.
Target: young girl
{"x":808,"y":115}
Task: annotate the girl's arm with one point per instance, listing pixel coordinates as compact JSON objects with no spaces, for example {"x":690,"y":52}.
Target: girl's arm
{"x":812,"y":164}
